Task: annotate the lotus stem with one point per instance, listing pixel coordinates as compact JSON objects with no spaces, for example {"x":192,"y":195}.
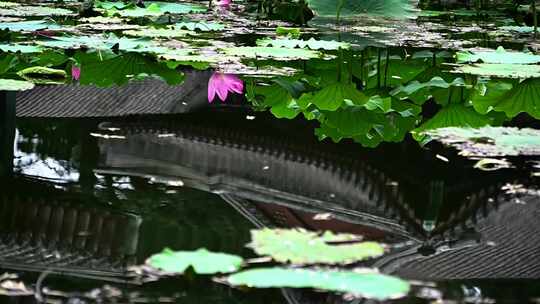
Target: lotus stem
{"x":386,"y":66}
{"x":340,"y":4}
{"x":535,"y":19}
{"x":379,"y":68}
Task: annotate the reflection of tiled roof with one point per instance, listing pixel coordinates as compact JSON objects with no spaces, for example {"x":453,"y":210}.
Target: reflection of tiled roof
{"x":509,"y":247}
{"x":61,"y":237}
{"x":149,"y":96}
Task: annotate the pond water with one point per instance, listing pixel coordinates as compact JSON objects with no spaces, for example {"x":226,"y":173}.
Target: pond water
{"x":127,"y":130}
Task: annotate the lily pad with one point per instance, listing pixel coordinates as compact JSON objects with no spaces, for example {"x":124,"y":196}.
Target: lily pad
{"x":153,"y":9}
{"x":299,"y":246}
{"x":369,"y":285}
{"x":159,"y":33}
{"x":26,"y":11}
{"x":15,"y":85}
{"x":498,"y":56}
{"x":271,"y":52}
{"x":202,"y":261}
{"x":490,"y":141}
{"x":29,"y":26}
{"x":334,"y":96}
{"x":308,"y":44}
{"x":22,"y":48}
{"x":501,"y":70}
{"x":200,"y":26}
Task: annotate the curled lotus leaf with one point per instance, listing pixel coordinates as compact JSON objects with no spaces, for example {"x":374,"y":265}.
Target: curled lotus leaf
{"x":299,"y":246}
{"x":362,"y":284}
{"x":271,"y":52}
{"x":43,"y":75}
{"x":202,"y":261}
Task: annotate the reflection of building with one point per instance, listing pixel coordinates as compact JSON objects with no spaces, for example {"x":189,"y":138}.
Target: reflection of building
{"x":442,"y":227}
{"x":53,"y":232}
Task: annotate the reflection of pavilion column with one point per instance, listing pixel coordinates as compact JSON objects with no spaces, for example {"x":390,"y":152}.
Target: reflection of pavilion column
{"x":7,"y":132}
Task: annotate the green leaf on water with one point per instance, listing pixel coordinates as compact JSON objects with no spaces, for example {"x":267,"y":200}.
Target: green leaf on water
{"x":454,"y":115}
{"x":202,"y":261}
{"x":369,"y":285}
{"x":501,"y":70}
{"x":299,"y":246}
{"x":28,"y":26}
{"x":200,"y":26}
{"x":271,"y":52}
{"x":22,"y":48}
{"x":27,"y":11}
{"x":303,"y":44}
{"x":490,"y":141}
{"x":15,"y":85}
{"x":498,"y":56}
{"x":159,"y":33}
{"x":386,"y":8}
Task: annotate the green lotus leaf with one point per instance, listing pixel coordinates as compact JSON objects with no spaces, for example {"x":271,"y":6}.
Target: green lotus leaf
{"x":369,"y":285}
{"x":335,"y":95}
{"x":271,"y":52}
{"x":28,"y":26}
{"x":455,"y":115}
{"x":27,"y":11}
{"x":308,"y":44}
{"x":152,"y":9}
{"x":43,"y":75}
{"x":22,"y":48}
{"x":159,"y":33}
{"x":299,"y":246}
{"x":420,"y":92}
{"x":119,"y":70}
{"x":202,"y":261}
{"x":490,"y":141}
{"x":498,"y":56}
{"x":15,"y":85}
{"x":518,"y":29}
{"x":501,"y":70}
{"x":502,"y":97}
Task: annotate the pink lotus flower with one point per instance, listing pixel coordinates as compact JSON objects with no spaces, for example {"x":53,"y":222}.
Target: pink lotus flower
{"x":222,"y":84}
{"x":75,"y":72}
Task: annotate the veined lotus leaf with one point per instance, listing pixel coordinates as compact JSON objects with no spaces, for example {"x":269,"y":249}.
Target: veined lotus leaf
{"x":454,"y":115}
{"x":309,"y":44}
{"x":28,"y":26}
{"x":119,"y":70}
{"x":487,"y":92}
{"x":22,"y":48}
{"x":421,"y":92}
{"x":159,"y":33}
{"x":335,"y":95}
{"x":490,"y":141}
{"x":200,"y":26}
{"x":303,"y":247}
{"x":498,"y":56}
{"x":26,"y":11}
{"x":371,"y":285}
{"x":43,"y":75}
{"x":523,"y":97}
{"x":271,"y":52}
{"x":202,"y":261}
{"x":501,"y":70}
{"x":15,"y":85}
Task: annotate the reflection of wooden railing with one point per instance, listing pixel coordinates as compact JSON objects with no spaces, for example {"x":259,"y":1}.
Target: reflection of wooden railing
{"x":36,"y":236}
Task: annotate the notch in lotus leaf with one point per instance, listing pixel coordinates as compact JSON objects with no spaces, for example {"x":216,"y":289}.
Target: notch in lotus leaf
{"x":302,"y":247}
{"x":202,"y":261}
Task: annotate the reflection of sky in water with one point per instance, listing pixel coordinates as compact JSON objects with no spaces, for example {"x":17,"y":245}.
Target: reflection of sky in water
{"x":33,"y":164}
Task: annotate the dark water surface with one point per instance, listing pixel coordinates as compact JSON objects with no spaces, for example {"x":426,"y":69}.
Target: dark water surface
{"x":91,"y":197}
